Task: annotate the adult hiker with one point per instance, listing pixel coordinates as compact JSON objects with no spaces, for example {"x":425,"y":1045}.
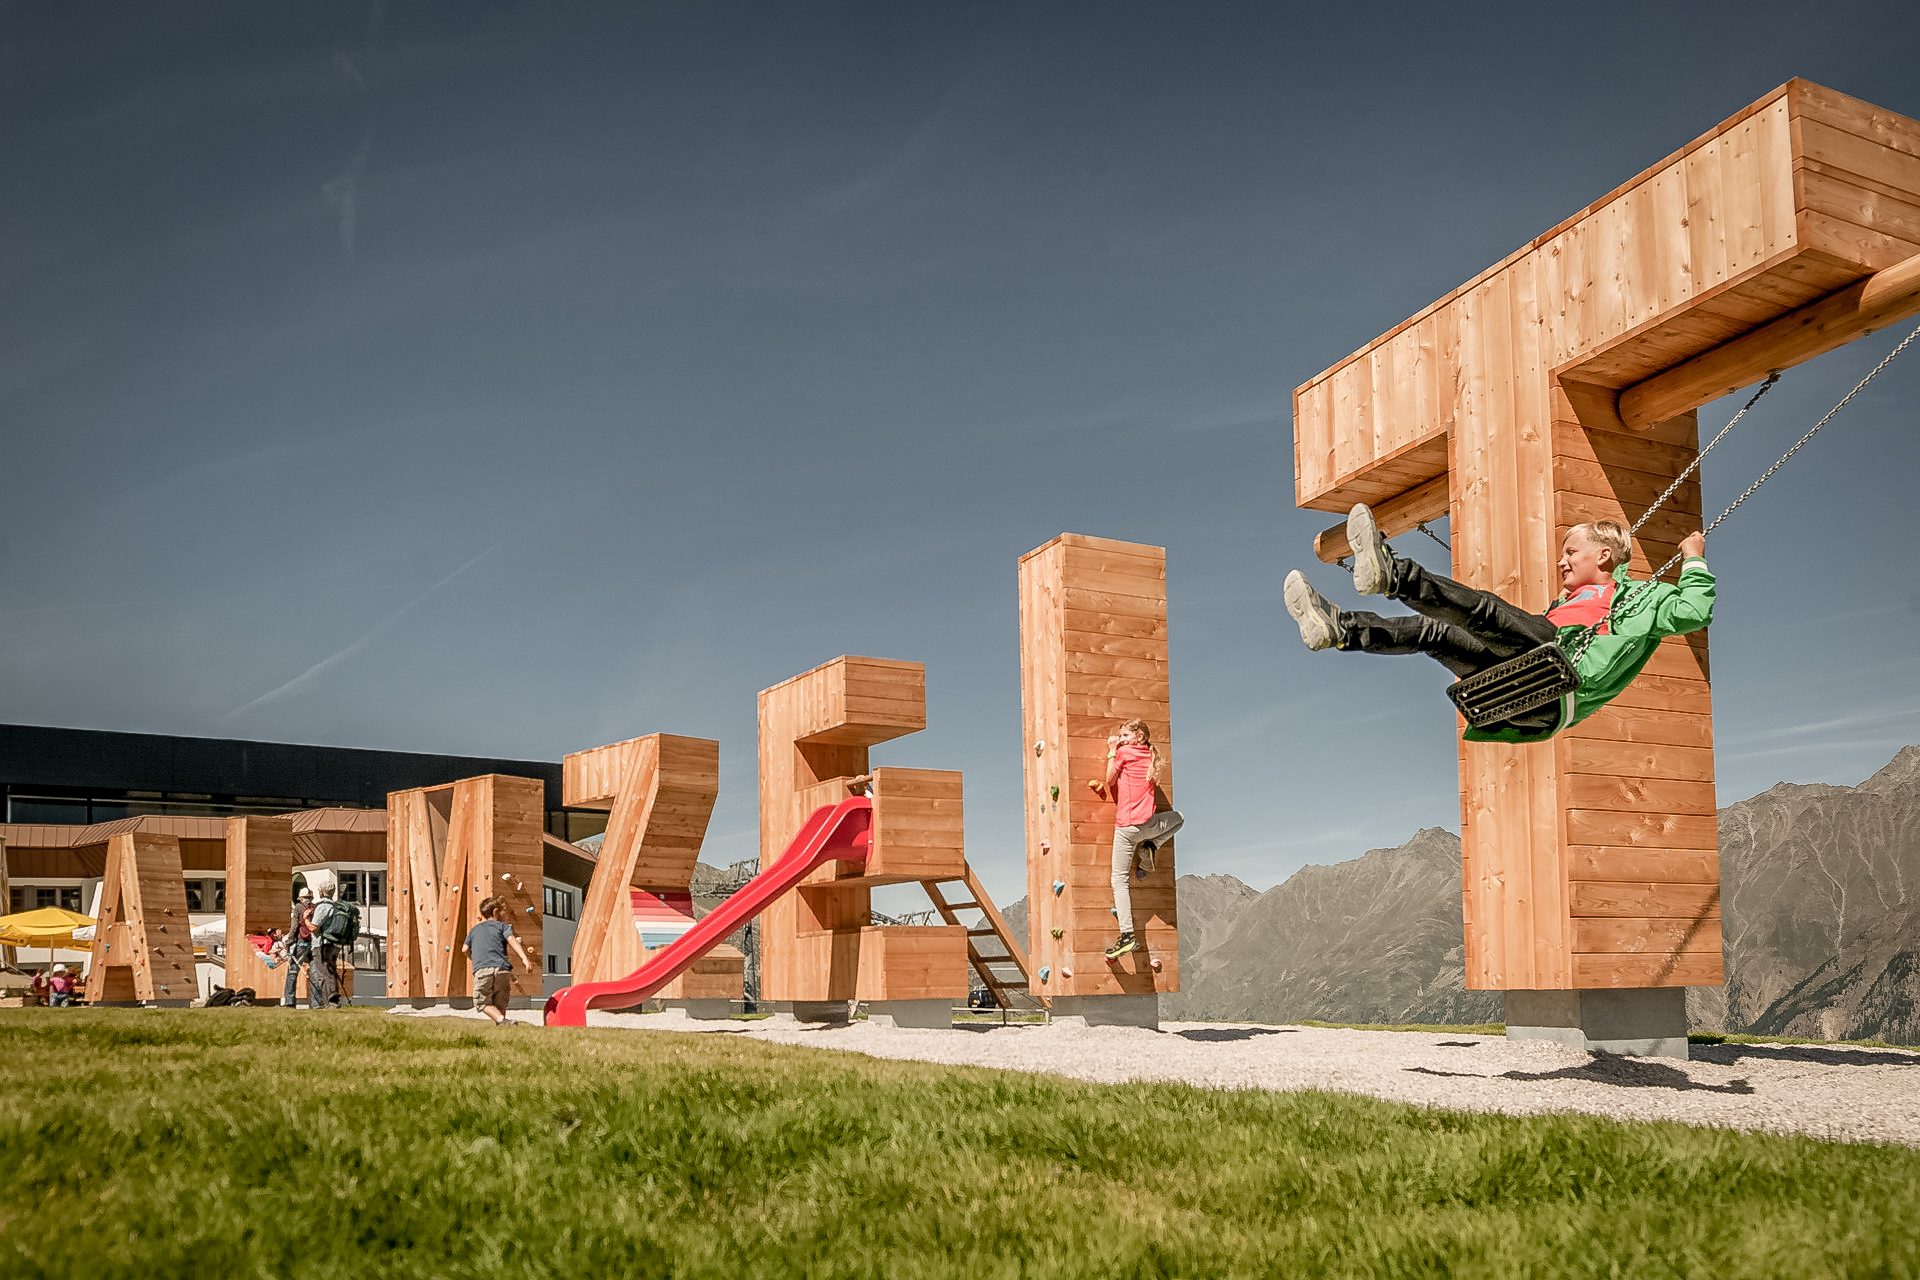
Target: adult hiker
{"x":336,"y":926}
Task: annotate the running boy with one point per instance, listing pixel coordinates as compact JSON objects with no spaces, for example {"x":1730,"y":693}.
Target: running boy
{"x":1133,"y":766}
{"x":486,"y":947}
{"x":1467,"y":631}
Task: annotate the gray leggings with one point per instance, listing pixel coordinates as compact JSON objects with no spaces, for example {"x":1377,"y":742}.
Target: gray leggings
{"x":1127,"y":840}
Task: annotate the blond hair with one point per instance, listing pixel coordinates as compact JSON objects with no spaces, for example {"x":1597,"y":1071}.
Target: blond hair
{"x":1609,"y":534}
{"x":1146,"y":740}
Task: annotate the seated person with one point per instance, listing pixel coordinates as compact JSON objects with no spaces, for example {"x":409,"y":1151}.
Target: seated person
{"x":1467,"y":631}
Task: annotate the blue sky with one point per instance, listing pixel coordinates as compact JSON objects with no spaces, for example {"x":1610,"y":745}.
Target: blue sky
{"x":511,"y":379}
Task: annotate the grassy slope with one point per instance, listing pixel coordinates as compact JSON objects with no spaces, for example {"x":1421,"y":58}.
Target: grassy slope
{"x":259,"y":1143}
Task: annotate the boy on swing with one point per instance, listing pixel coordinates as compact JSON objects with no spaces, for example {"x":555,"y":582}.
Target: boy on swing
{"x":1467,"y":631}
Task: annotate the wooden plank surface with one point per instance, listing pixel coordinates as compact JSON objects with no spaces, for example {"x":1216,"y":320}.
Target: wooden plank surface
{"x":1093,"y":651}
{"x":259,"y":864}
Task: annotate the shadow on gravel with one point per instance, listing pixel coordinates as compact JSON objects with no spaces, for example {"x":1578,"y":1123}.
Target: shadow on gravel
{"x":1607,"y":1068}
{"x":1209,"y":1035}
{"x":1456,"y":1044}
{"x":1727,"y":1055}
{"x":1630,"y":1073}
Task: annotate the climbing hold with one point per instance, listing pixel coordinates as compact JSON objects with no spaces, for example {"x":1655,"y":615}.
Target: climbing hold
{"x":506,"y":875}
{"x":1046,"y":971}
{"x":1155,"y":962}
{"x":1039,"y":746}
{"x":1046,"y":846}
{"x":518,"y":886}
{"x":163,"y":928}
{"x":1065,"y":972}
{"x":1114,"y":912}
{"x":1059,"y":886}
{"x":1053,"y":793}
{"x":529,"y":910}
{"x":1059,"y":933}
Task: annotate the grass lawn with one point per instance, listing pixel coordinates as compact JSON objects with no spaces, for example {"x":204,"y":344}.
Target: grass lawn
{"x":256,"y":1142}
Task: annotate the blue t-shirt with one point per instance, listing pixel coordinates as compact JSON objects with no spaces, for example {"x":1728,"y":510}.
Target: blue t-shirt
{"x":488,"y":943}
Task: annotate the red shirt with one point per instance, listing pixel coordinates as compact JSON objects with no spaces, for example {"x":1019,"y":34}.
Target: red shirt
{"x":1586,"y":606}
{"x":1135,"y":799}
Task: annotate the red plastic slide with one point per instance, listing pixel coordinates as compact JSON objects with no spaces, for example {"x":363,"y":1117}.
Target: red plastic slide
{"x":835,"y":833}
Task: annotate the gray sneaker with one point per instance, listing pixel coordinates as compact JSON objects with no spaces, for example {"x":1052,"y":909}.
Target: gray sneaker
{"x":1319,"y":621}
{"x":1372,"y":562}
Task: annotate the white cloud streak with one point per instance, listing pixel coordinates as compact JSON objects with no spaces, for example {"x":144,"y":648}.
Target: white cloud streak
{"x":326,"y":664}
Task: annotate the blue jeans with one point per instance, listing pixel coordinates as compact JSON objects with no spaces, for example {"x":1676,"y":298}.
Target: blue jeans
{"x":293,"y":980}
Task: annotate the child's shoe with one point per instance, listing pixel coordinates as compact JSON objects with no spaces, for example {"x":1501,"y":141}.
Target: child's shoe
{"x":1144,"y":852}
{"x":1319,"y":621}
{"x":1125,"y":944}
{"x":1372,"y":562}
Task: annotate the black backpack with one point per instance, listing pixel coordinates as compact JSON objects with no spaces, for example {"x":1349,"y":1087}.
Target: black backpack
{"x":341,"y":925}
{"x":221,"y":996}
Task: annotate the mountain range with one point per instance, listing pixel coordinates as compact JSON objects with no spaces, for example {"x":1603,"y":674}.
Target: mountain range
{"x":1820,"y":909}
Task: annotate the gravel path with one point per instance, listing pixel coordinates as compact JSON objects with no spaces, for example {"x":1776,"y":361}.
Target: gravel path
{"x":1835,"y":1092}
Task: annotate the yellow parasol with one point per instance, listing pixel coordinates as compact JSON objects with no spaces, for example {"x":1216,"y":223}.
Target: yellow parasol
{"x":48,"y":927}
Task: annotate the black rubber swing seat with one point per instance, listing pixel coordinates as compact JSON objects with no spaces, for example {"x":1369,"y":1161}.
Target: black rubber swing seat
{"x":1515,"y":687}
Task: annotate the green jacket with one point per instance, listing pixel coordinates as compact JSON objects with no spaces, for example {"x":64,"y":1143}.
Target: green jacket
{"x":1612,"y":661}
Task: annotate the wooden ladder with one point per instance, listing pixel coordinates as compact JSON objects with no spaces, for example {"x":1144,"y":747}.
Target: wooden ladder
{"x":996,"y":927}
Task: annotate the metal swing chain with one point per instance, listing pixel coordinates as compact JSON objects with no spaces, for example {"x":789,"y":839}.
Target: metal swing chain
{"x":1884,"y":362}
{"x":1586,"y":638}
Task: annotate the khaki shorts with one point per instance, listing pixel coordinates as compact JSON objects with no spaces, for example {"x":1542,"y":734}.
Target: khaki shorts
{"x":493,"y":990}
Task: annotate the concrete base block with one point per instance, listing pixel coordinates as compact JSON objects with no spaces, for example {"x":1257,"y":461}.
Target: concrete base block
{"x":1107,"y":1011}
{"x":705,"y":1010}
{"x":923,"y":1014}
{"x":1646,"y":1022}
{"x":831,"y":1011}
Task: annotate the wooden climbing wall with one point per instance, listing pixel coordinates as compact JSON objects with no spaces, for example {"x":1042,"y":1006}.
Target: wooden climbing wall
{"x":818,"y":943}
{"x":259,"y":897}
{"x":1559,"y":386}
{"x":143,"y":944}
{"x":449,"y":848}
{"x":659,"y":791}
{"x":1093,"y":654}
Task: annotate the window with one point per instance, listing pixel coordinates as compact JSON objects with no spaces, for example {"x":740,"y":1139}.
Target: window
{"x":350,"y":886}
{"x":220,"y":895}
{"x":16,"y":899}
{"x":45,"y":898}
{"x":559,"y":903}
{"x":553,"y":964}
{"x":193,"y":896}
{"x":369,"y":953}
{"x":376,"y":888}
{"x":70,"y":898}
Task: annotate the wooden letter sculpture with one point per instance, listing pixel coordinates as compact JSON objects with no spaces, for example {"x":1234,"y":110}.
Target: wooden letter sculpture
{"x":449,"y":848}
{"x":1093,"y":655}
{"x":660,"y":792}
{"x":1557,"y":387}
{"x":259,"y":898}
{"x":819,"y":948}
{"x":143,"y":943}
